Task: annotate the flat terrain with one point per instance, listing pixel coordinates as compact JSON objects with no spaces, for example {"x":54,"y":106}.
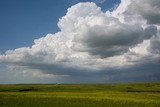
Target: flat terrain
{"x":80,"y":95}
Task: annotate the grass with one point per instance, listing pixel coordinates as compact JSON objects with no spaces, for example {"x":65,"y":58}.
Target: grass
{"x":80,"y":95}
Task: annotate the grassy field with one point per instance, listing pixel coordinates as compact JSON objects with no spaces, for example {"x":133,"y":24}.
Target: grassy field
{"x":80,"y":95}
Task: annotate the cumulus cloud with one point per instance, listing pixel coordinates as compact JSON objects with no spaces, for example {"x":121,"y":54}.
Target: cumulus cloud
{"x":149,"y":9}
{"x":96,"y":46}
{"x":146,"y":9}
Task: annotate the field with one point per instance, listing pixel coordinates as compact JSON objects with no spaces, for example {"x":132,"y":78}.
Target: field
{"x":80,"y":95}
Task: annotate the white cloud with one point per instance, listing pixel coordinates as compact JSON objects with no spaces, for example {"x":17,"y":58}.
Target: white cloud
{"x":92,"y":43}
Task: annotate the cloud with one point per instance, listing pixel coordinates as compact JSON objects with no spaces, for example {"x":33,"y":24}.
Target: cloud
{"x":147,"y":9}
{"x":150,"y":10}
{"x":95,"y":46}
{"x":102,"y":1}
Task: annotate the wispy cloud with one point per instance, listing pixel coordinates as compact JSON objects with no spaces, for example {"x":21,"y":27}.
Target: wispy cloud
{"x":102,"y":1}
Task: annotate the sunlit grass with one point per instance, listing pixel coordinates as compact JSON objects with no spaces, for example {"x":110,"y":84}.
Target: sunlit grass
{"x":89,"y":95}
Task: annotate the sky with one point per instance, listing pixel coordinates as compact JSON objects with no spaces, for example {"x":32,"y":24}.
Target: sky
{"x":79,"y":41}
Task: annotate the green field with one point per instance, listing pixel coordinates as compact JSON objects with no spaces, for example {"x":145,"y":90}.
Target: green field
{"x":80,"y":95}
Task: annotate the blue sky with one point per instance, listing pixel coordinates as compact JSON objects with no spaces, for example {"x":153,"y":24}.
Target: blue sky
{"x":22,"y":21}
{"x":79,"y":41}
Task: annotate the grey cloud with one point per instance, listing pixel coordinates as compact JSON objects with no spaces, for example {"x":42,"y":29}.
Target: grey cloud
{"x":148,"y":9}
{"x":107,"y":41}
{"x":155,"y":46}
{"x":151,"y":11}
{"x":151,"y":31}
{"x":147,"y":72}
